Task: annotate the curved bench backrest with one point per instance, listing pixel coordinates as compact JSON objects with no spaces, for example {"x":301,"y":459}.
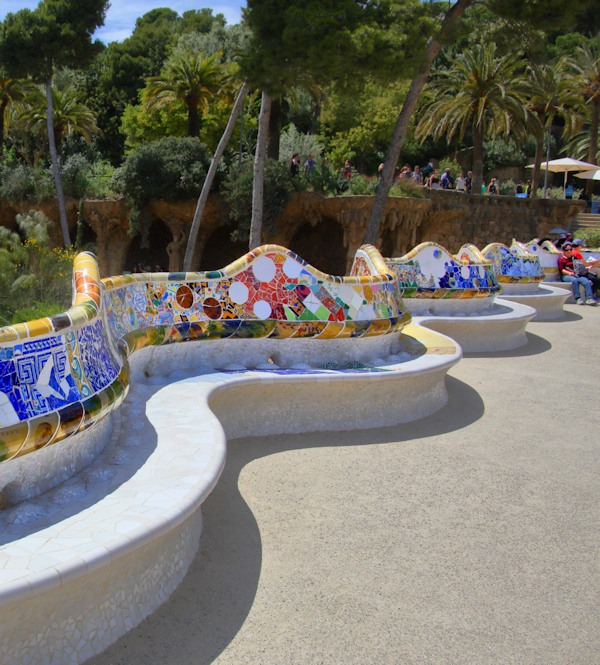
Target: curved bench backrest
{"x":61,"y":374}
{"x":513,"y":264}
{"x":429,"y":270}
{"x":547,"y":255}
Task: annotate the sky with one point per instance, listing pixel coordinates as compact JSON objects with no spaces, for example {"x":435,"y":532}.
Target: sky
{"x":122,"y":14}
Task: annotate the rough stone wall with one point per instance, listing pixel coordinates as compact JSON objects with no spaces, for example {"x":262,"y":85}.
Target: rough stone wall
{"x":448,"y":218}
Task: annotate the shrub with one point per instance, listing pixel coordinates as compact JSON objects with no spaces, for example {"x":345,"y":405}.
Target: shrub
{"x":237,"y":191}
{"x":591,"y":237}
{"x":34,"y":279}
{"x":171,"y":169}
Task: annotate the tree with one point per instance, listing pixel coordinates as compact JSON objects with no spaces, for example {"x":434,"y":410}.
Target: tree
{"x":11,"y":91}
{"x":191,"y":244}
{"x":71,"y":116}
{"x":551,"y":14}
{"x":432,"y":48}
{"x":191,"y":78}
{"x":34,"y":43}
{"x":550,"y":94}
{"x":586,"y":65}
{"x":480,"y":92}
{"x":323,"y":40}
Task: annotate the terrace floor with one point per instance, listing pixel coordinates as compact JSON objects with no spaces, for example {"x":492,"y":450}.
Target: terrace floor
{"x":467,"y":537}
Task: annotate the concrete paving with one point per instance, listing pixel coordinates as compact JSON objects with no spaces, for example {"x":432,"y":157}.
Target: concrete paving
{"x":469,"y":537}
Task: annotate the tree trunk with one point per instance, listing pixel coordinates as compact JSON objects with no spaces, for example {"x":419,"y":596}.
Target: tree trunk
{"x":194,"y":122}
{"x":593,"y":151}
{"x":62,"y":211}
{"x":418,"y":83}
{"x":259,"y":172}
{"x":477,"y":158}
{"x":2,"y":112}
{"x":275,"y":128}
{"x":538,"y":159}
{"x":210,"y":176}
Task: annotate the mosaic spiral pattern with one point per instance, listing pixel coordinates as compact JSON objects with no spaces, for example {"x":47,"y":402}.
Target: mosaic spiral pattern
{"x":58,"y":375}
{"x":430,"y":271}
{"x":514,"y":265}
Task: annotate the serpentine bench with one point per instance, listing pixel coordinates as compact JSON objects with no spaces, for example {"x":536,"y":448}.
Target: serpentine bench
{"x":457,"y":296}
{"x":520,"y":274}
{"x":112,"y":434}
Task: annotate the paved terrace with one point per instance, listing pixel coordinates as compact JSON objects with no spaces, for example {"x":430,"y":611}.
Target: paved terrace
{"x":468,"y":537}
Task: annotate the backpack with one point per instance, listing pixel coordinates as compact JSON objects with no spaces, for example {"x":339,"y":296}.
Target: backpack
{"x":579,"y":268}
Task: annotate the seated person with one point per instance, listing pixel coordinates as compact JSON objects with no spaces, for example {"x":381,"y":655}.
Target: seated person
{"x":578,"y":244}
{"x":567,"y":274}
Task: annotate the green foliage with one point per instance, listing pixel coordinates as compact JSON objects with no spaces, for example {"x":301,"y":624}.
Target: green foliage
{"x":404,"y":187}
{"x":360,"y":185}
{"x":34,"y":279}
{"x":292,"y":141}
{"x":237,"y":191}
{"x":591,"y":237}
{"x":171,"y":169}
{"x":58,"y":32}
{"x":325,"y":178}
{"x":25,"y":183}
{"x":81,"y":178}
{"x":37,"y":310}
{"x":503,"y":152}
{"x":454,"y":167}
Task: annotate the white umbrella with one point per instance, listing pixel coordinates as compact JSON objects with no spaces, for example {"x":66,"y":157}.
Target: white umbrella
{"x":565,"y":165}
{"x":589,"y":175}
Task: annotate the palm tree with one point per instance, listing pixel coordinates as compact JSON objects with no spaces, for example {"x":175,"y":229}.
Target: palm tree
{"x":190,"y":78}
{"x":480,"y":92}
{"x":586,"y":66}
{"x":551,"y":94}
{"x":70,"y":115}
{"x":11,"y":91}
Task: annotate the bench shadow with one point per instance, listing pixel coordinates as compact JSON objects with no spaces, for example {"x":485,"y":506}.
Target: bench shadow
{"x":210,"y":606}
{"x":535,"y":345}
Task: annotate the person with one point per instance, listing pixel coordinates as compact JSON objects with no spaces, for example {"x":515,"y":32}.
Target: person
{"x":309,"y":165}
{"x":469,"y":182}
{"x":405,"y":172}
{"x":578,"y":245}
{"x":483,"y":187}
{"x":567,"y":274}
{"x":295,"y":165}
{"x":528,"y":189}
{"x":461,"y":183}
{"x":569,"y":189}
{"x":519,"y":189}
{"x":562,"y":238}
{"x":447,"y":180}
{"x":434,"y":180}
{"x":417,"y":176}
{"x":492,"y":189}
{"x":347,"y":169}
{"x":428,"y":171}
{"x":380,"y":169}
{"x":584,"y":196}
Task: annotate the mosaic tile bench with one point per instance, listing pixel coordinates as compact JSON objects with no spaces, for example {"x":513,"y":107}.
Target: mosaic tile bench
{"x":548,"y":256}
{"x":112,"y":435}
{"x":458,"y":296}
{"x":520,"y":274}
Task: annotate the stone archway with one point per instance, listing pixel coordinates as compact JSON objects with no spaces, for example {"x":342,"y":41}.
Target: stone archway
{"x":322,"y":245}
{"x":153,"y":257}
{"x":219,"y":250}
